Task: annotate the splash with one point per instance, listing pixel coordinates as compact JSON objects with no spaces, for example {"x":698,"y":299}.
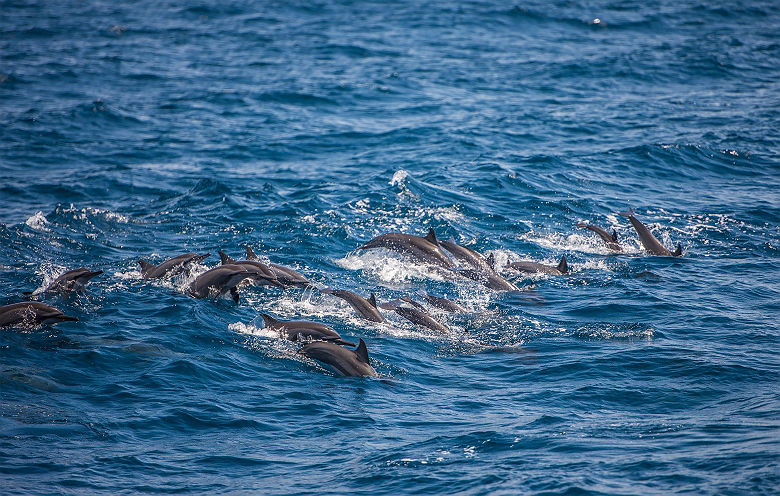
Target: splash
{"x":38,"y":222}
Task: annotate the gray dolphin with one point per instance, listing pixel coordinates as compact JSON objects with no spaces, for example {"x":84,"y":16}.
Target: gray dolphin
{"x":416,"y":315}
{"x":294,"y":330}
{"x":366,"y":308}
{"x":609,"y":239}
{"x":533,"y":267}
{"x":345,"y":362}
{"x":651,"y":244}
{"x":482,"y":269}
{"x":426,"y":250}
{"x":72,"y":280}
{"x":170,"y":266}
{"x":31,"y":313}
{"x":223,"y":279}
{"x":284,"y":275}
{"x":443,"y":303}
{"x":262,"y":274}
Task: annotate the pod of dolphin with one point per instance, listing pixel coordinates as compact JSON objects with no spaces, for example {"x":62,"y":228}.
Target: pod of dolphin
{"x":323,"y":343}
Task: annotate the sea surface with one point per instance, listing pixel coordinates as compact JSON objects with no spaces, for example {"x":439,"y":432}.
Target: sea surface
{"x":304,"y":129}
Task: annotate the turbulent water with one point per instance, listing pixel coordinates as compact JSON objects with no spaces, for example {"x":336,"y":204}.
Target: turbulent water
{"x":304,"y":129}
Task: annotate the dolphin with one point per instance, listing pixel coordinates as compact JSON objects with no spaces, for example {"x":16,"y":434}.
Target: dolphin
{"x":366,"y":308}
{"x":443,"y":303}
{"x":31,"y":312}
{"x":415,"y":315}
{"x":223,"y":278}
{"x":345,"y":362}
{"x":72,"y":280}
{"x":425,"y":250}
{"x":262,"y":274}
{"x":609,"y":239}
{"x":650,"y":242}
{"x":294,"y":330}
{"x":481,"y":269}
{"x":533,"y":267}
{"x":170,"y":266}
{"x":284,"y":275}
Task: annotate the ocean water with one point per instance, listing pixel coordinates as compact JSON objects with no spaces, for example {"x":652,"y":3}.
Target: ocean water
{"x":150,"y":129}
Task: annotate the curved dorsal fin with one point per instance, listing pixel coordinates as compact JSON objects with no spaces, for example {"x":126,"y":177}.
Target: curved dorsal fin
{"x":678,"y":251}
{"x":362,"y":352}
{"x":614,"y":236}
{"x":372,"y":300}
{"x":145,"y":266}
{"x":269,"y":321}
{"x":563,"y":266}
{"x":225,"y":258}
{"x":250,"y":253}
{"x":431,"y":237}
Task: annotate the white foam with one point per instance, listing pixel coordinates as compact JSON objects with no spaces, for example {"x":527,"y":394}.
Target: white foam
{"x":399,"y":177}
{"x":388,"y":267}
{"x":37,"y":221}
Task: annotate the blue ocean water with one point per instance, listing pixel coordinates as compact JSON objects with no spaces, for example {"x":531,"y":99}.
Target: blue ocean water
{"x":304,"y":129}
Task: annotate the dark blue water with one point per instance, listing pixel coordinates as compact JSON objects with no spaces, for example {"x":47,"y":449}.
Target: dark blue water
{"x":307,"y":128}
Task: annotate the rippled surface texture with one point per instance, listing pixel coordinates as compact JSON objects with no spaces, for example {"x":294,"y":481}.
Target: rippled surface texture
{"x":307,"y":128}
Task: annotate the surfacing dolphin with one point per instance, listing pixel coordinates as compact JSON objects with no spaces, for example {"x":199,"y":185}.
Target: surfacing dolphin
{"x":303,"y":330}
{"x":262,"y":274}
{"x":31,"y":313}
{"x":366,"y":308}
{"x":222,"y":279}
{"x":442,"y":303}
{"x":534,"y":268}
{"x":345,"y":362}
{"x":610,"y":240}
{"x":651,"y":244}
{"x":425,"y":250}
{"x":72,"y":280}
{"x":170,"y":266}
{"x":284,"y":275}
{"x":481,"y":268}
{"x":416,"y":314}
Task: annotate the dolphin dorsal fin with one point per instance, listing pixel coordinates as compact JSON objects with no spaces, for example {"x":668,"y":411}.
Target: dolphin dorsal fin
{"x":431,"y":237}
{"x":563,"y":266}
{"x":250,"y":253}
{"x":372,"y":300}
{"x":678,"y":251}
{"x":491,"y":261}
{"x":225,"y":258}
{"x":614,"y":236}
{"x":362,"y":352}
{"x":268,"y":320}
{"x":145,"y":265}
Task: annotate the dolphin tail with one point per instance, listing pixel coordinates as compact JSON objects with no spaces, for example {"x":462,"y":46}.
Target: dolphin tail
{"x":145,"y":266}
{"x":678,"y":251}
{"x":563,"y":266}
{"x":362,"y":352}
{"x":343,"y":343}
{"x":250,"y":253}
